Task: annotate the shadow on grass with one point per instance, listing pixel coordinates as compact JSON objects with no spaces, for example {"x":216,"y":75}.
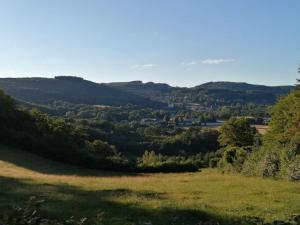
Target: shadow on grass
{"x":38,"y":164}
{"x":113,"y":206}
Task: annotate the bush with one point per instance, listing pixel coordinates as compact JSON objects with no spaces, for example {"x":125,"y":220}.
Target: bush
{"x":213,"y":162}
{"x":293,"y":171}
{"x":102,"y":149}
{"x":233,"y":159}
{"x":152,"y":162}
{"x":270,"y":165}
{"x":251,"y":165}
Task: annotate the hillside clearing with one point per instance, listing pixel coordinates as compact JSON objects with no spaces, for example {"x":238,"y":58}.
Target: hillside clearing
{"x":118,"y":198}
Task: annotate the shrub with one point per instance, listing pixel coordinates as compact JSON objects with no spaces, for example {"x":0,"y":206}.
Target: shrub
{"x":152,"y":162}
{"x":232,"y":159}
{"x":251,"y":165}
{"x":293,"y":171}
{"x":270,"y":165}
{"x":213,"y":162}
{"x":102,"y":149}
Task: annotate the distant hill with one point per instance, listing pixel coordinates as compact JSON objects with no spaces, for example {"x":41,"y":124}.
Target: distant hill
{"x":212,"y":93}
{"x":144,"y":89}
{"x":232,"y":92}
{"x":70,"y":89}
{"x":238,"y":86}
{"x":79,"y":91}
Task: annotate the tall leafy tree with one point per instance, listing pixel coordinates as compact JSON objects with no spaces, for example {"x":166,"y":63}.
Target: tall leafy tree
{"x":285,"y":123}
{"x":237,"y":132}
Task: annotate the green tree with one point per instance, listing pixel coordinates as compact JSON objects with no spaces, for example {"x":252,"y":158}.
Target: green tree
{"x":237,"y":132}
{"x":7,"y":104}
{"x":279,"y":155}
{"x":102,"y":149}
{"x":285,"y":124}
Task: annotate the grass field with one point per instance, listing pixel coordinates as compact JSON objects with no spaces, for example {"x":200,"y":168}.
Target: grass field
{"x":122,"y":199}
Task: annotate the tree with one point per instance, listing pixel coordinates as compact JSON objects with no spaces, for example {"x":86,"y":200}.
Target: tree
{"x":280,"y":152}
{"x":285,"y":124}
{"x":103,"y":149}
{"x":237,"y":132}
{"x":7,"y":103}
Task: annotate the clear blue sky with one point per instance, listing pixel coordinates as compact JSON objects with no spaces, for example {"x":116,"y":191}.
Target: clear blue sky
{"x":180,"y":42}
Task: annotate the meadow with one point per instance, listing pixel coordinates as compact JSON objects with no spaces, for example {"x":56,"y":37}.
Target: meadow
{"x":123,"y":199}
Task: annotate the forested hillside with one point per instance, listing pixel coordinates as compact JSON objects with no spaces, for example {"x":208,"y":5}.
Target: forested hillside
{"x":209,"y":94}
{"x":100,"y":144}
{"x":70,"y":89}
{"x":242,"y":86}
{"x":155,"y":95}
{"x":148,"y":89}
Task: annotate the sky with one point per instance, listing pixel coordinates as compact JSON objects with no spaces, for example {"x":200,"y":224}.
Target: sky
{"x":180,"y":42}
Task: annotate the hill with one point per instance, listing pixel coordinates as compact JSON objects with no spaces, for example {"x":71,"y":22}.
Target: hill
{"x":224,"y":93}
{"x":207,"y":94}
{"x":144,"y":89}
{"x":76,"y":90}
{"x":240,"y":86}
{"x":70,"y":89}
{"x":119,"y":198}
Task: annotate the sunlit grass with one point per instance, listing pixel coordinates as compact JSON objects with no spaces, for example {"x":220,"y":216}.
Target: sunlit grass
{"x":136,"y":198}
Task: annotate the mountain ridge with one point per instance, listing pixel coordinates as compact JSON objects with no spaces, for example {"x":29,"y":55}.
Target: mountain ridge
{"x":80,"y":91}
{"x":71,"y":89}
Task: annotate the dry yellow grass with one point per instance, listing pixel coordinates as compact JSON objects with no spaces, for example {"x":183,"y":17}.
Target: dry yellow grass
{"x":262,"y":129}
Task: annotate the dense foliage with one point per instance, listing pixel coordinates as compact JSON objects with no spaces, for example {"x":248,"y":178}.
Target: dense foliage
{"x":276,"y":154}
{"x":90,"y":125}
{"x":151,"y":162}
{"x":280,"y":153}
{"x":237,"y":98}
{"x":237,"y":139}
{"x":97,"y":143}
{"x":70,"y":89}
{"x":237,"y":132}
{"x":53,"y":138}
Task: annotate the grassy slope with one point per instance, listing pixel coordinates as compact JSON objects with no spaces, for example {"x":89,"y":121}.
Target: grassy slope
{"x":161,"y":198}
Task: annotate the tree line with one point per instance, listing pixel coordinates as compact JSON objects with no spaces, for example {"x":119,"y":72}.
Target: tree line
{"x":276,"y":154}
